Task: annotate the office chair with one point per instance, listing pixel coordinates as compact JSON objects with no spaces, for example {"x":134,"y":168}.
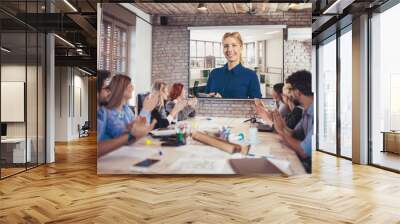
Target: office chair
{"x":196,"y":88}
{"x":140,"y":100}
{"x":84,"y":130}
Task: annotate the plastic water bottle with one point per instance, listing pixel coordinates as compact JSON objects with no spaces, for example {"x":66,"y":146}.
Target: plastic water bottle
{"x":253,"y":134}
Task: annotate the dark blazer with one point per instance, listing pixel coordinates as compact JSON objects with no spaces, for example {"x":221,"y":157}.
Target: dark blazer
{"x":160,"y":114}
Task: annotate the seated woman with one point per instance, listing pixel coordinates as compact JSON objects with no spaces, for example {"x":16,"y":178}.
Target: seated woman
{"x":277,"y":95}
{"x":176,"y":94}
{"x":164,"y":119}
{"x":119,"y":115}
{"x":117,"y":124}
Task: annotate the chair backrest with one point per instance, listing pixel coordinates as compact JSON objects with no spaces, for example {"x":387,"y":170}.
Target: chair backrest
{"x":140,"y":100}
{"x":196,"y":87}
{"x":86,"y":125}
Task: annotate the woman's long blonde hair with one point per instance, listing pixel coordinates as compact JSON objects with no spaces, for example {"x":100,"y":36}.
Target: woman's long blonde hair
{"x":117,"y":87}
{"x":235,"y":35}
{"x":160,"y":86}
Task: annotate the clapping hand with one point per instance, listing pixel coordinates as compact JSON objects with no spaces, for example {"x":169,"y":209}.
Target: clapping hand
{"x":179,"y":105}
{"x":150,"y":102}
{"x":279,"y":123}
{"x":265,"y":114}
{"x":140,"y":127}
{"x":258,"y":102}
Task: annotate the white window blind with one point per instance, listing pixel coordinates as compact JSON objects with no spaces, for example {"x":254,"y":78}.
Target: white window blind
{"x":114,"y":47}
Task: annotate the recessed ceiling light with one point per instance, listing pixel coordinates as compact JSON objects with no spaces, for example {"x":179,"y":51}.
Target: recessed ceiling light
{"x":64,"y":40}
{"x":70,"y":5}
{"x":337,"y":7}
{"x":84,"y":71}
{"x":5,"y":50}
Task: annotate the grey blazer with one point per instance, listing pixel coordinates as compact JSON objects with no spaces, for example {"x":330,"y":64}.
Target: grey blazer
{"x":184,"y":114}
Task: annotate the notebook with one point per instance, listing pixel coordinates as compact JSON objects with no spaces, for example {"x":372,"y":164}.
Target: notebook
{"x":163,"y":132}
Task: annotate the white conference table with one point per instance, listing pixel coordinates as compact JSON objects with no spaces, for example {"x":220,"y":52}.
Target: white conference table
{"x":198,"y":158}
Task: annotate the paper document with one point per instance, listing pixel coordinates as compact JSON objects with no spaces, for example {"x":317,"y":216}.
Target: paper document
{"x":199,"y":166}
{"x":167,"y":132}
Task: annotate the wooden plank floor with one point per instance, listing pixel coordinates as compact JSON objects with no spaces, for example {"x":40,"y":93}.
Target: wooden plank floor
{"x":69,"y":191}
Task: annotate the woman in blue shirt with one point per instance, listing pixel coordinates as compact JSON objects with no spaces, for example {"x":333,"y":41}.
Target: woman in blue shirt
{"x":233,"y":80}
{"x":118,"y":115}
{"x":115,"y":124}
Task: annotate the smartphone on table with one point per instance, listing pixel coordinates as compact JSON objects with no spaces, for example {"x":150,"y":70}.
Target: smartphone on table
{"x":146,"y":163}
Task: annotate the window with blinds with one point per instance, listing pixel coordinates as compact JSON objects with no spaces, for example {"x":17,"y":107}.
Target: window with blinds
{"x":113,"y":47}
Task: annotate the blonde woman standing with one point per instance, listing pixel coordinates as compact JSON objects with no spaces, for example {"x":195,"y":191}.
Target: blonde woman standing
{"x":233,"y":80}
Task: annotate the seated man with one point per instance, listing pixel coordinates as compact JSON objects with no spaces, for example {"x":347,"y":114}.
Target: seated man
{"x":300,"y":91}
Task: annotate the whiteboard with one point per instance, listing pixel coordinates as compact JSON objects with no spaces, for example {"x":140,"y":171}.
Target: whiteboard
{"x":12,"y":101}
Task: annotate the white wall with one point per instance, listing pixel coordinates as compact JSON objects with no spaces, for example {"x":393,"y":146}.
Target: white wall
{"x":69,"y":82}
{"x":142,"y":72}
{"x":14,"y":73}
{"x":140,"y":52}
{"x":274,"y":58}
{"x":314,"y":89}
{"x":274,"y":53}
{"x":33,"y":126}
{"x":80,"y":83}
{"x":61,"y":103}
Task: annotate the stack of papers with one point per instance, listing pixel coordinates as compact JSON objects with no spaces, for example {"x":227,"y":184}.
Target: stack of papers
{"x":160,"y":133}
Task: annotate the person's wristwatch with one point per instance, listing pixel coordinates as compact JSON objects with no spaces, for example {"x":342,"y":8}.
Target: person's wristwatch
{"x":131,"y":138}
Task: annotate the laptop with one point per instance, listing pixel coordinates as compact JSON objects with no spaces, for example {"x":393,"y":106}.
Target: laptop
{"x":264,"y":128}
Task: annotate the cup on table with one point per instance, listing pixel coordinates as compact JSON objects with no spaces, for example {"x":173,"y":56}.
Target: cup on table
{"x":253,"y":135}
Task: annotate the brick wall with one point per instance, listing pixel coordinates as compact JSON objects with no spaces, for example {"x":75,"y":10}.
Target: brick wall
{"x":297,"y":56}
{"x":170,"y":58}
